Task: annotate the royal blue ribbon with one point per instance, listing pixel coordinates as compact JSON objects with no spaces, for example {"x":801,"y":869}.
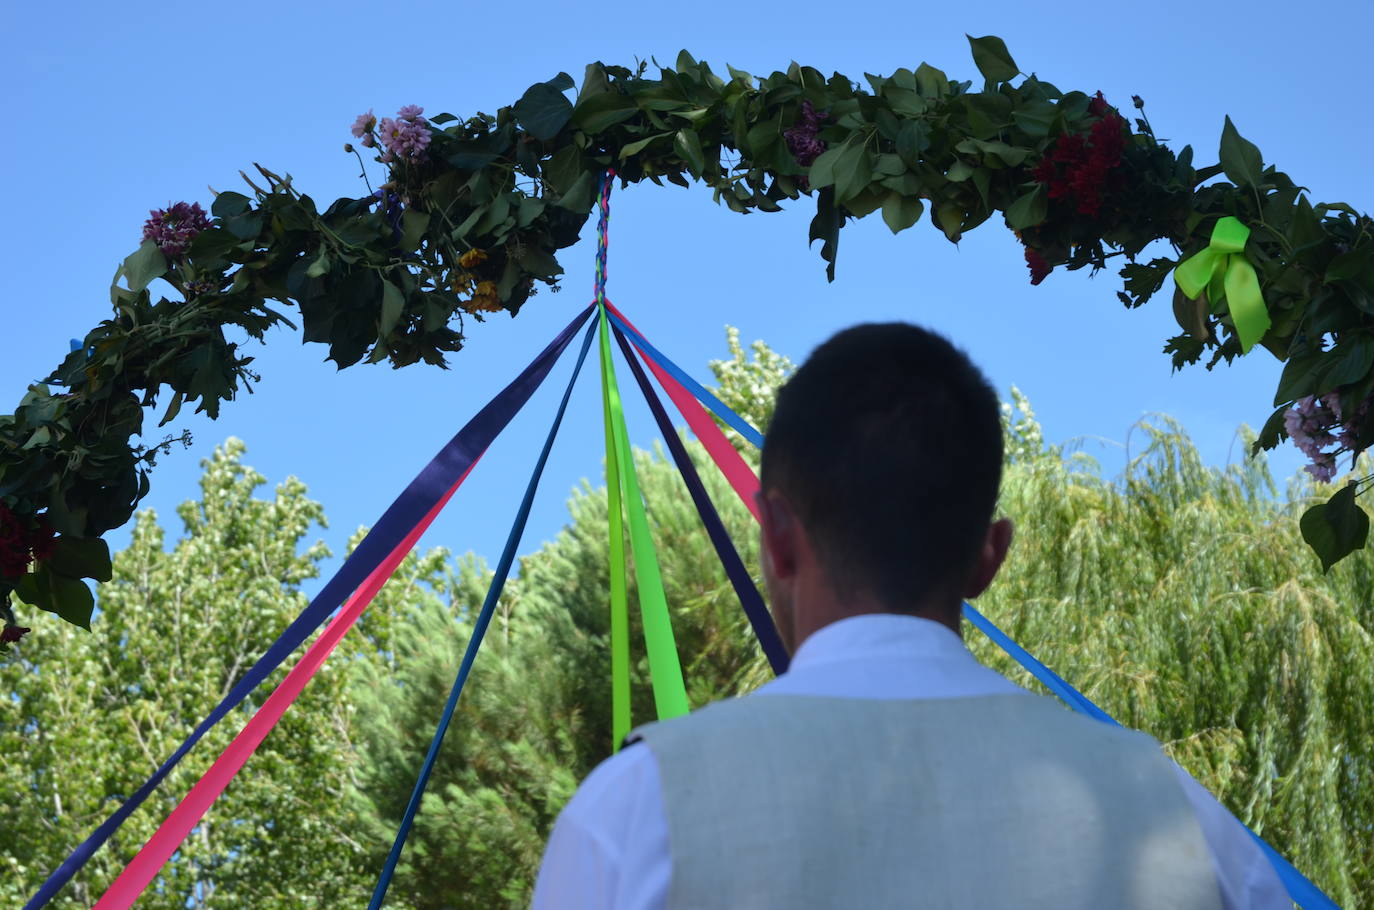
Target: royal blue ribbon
{"x":447,"y":467}
{"x":1300,"y":888}
{"x":479,"y":630}
{"x":702,"y":394}
{"x":750,"y":599}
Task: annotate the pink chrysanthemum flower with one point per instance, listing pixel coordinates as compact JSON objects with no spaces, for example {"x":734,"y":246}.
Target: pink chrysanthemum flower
{"x":365,"y":124}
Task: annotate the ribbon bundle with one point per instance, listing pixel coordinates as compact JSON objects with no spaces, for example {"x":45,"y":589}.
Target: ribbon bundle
{"x":396,"y":533}
{"x":1222,"y":270}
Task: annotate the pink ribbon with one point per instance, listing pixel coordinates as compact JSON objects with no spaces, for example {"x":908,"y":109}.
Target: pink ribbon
{"x":144,"y":867}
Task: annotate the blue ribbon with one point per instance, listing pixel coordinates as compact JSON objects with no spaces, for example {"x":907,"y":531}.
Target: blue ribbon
{"x":452,"y":462}
{"x":479,"y":630}
{"x":718,"y":407}
{"x":1300,"y":888}
{"x":750,"y":599}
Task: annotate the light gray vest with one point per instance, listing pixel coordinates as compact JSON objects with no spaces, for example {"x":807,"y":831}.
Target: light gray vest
{"x":1004,"y":801}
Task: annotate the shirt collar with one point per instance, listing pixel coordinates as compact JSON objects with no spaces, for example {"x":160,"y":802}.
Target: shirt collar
{"x":878,"y":636}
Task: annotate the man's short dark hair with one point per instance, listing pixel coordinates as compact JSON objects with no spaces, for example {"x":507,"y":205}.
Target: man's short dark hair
{"x":888,"y":444}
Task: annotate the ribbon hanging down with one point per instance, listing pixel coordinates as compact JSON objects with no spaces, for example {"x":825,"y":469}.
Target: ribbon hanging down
{"x":665,"y":670}
{"x":620,"y":610}
{"x":1225,"y":274}
{"x":418,"y":499}
{"x":722,"y":452}
{"x":479,"y":631}
{"x":750,"y":599}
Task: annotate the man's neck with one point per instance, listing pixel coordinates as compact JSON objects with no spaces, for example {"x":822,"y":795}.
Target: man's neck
{"x":818,"y":612}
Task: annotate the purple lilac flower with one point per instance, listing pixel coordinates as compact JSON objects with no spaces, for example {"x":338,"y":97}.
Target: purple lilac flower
{"x":1311,"y":424}
{"x":1323,"y":468}
{"x":364,"y":125}
{"x":801,"y":138}
{"x":173,"y":228}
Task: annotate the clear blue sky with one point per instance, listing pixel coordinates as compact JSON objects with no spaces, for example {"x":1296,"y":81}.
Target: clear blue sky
{"x":119,"y":108}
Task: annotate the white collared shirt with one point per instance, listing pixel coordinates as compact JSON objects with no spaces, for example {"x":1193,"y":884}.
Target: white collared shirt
{"x":609,"y":848}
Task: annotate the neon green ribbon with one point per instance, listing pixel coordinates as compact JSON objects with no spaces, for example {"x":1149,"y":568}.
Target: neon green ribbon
{"x":620,"y":613}
{"x":665,"y":671}
{"x":1224,"y":272}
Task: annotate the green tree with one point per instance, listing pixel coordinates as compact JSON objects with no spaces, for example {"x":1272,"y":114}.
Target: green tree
{"x":91,"y":714}
{"x":1180,"y":599}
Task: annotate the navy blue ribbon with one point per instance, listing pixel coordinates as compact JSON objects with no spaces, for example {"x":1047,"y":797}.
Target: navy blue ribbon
{"x":750,"y":599}
{"x":479,"y":631}
{"x":452,"y":462}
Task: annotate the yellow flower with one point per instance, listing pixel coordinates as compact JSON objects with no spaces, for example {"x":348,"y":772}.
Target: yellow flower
{"x":472,"y":257}
{"x":485,"y":299}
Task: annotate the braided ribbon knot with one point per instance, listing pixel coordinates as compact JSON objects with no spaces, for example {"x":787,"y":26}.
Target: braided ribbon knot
{"x":1225,"y":274}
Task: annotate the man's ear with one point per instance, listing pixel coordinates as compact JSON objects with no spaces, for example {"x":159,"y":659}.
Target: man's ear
{"x":779,"y":531}
{"x":990,"y":557}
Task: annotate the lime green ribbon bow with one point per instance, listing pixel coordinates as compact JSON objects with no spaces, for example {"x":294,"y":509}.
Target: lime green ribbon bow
{"x":1224,"y":272}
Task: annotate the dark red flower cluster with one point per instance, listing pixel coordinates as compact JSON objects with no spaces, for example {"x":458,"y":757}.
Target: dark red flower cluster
{"x":1079,"y":168}
{"x":11,"y":634}
{"x":1039,"y":267}
{"x":802,"y":140}
{"x":20,"y":545}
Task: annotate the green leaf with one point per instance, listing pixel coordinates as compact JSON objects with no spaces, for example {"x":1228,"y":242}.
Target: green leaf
{"x":901,"y":212}
{"x":227,"y":205}
{"x":1354,"y":365}
{"x":597,"y":112}
{"x":1029,"y":210}
{"x":865,"y":202}
{"x":991,"y":57}
{"x":932,"y":83}
{"x":320,"y":265}
{"x":72,"y":600}
{"x":579,"y":196}
{"x":1336,"y":528}
{"x":959,"y":172}
{"x":81,"y":557}
{"x":393,"y":304}
{"x":143,"y":265}
{"x":912,"y":140}
{"x":68,"y":597}
{"x":1240,"y":159}
{"x":950,"y":218}
{"x":639,"y":145}
{"x":543,"y":110}
{"x":687,"y":146}
{"x":822,"y":173}
{"x":413,"y":226}
{"x":173,"y":408}
{"x":853,"y":171}
{"x":825,"y":227}
{"x":1035,"y":119}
